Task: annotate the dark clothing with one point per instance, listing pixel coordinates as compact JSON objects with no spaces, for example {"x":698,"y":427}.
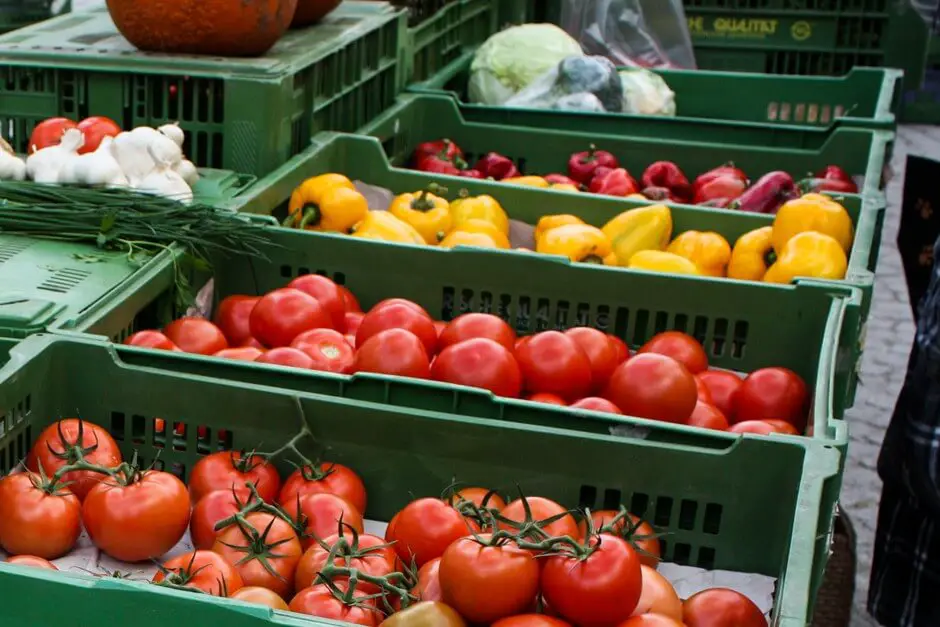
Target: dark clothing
{"x":905,"y":579}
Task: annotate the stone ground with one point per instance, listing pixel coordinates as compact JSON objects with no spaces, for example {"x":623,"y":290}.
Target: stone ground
{"x":890,"y":331}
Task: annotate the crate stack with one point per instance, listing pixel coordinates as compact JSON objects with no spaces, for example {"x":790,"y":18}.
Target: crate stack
{"x":355,"y":95}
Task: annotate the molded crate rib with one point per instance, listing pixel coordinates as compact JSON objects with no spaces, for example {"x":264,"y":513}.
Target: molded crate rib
{"x":742,"y":503}
{"x":803,"y":109}
{"x":444,"y":36}
{"x":246,"y":115}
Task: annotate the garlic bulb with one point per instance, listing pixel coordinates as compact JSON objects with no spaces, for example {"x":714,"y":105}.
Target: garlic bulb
{"x":187,"y":170}
{"x":12,"y":168}
{"x":55,"y":164}
{"x":100,"y":168}
{"x":174,"y":132}
{"x":131,"y":149}
{"x":162,"y":180}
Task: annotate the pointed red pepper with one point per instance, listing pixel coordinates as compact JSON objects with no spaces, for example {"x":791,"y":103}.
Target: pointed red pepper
{"x":667,"y":175}
{"x":495,"y":166}
{"x":613,"y":182}
{"x":582,"y":166}
{"x":768,"y":194}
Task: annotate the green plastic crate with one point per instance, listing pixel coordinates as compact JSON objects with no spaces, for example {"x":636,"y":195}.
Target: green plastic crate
{"x":815,"y":37}
{"x":729,"y":502}
{"x":245,"y":115}
{"x":420,"y":117}
{"x":16,"y":14}
{"x":811,"y":328}
{"x":448,"y":33}
{"x":801,"y":109}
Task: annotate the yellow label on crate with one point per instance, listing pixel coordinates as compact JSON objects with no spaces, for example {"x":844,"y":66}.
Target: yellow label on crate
{"x":748,"y":28}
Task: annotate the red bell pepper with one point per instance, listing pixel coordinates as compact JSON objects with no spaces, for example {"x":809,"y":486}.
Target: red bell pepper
{"x":667,"y":175}
{"x":471,"y":174}
{"x":561,"y":179}
{"x":582,"y":166}
{"x":661,"y":194}
{"x":444,"y":148}
{"x":436,"y":164}
{"x":837,"y":186}
{"x":833,"y":172}
{"x":613,"y":182}
{"x":725,"y":181}
{"x":768,"y":194}
{"x":497,"y":167}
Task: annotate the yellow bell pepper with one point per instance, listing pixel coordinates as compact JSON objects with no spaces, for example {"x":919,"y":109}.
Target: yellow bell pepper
{"x":813,"y":212}
{"x":328,"y":202}
{"x":753,"y":254}
{"x":466,"y":238}
{"x":809,"y":254}
{"x":637,"y":197}
{"x":577,"y":242}
{"x":659,"y":261}
{"x":567,"y":187}
{"x":383,"y":226}
{"x":479,"y":208}
{"x":427,"y":213}
{"x":547,"y":223}
{"x":643,"y":228}
{"x":487,"y":228}
{"x":709,"y":251}
{"x":528,"y":181}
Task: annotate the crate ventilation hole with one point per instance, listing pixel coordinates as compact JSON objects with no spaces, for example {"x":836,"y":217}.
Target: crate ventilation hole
{"x":64,"y":280}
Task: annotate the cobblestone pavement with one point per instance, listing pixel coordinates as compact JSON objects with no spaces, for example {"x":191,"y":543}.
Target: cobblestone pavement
{"x":890,"y":331}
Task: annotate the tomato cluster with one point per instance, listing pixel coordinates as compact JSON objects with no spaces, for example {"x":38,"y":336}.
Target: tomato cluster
{"x":315,"y":324}
{"x":470,"y":557}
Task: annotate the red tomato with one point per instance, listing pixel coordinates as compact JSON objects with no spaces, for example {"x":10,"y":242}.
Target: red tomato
{"x":327,"y":349}
{"x":349,"y":299}
{"x":772,"y":394}
{"x":394,"y":351}
{"x":95,"y":129}
{"x":62,"y":444}
{"x":721,"y":607}
{"x":253,"y":343}
{"x":151,"y":339}
{"x":155,"y":506}
{"x":265,"y":551}
{"x":600,"y":589}
{"x":231,"y":469}
{"x":439,"y":326}
{"x":351,"y":322}
{"x":244,"y":353}
{"x":477,"y":496}
{"x":623,"y":352}
{"x":327,"y":478}
{"x":680,"y":346}
{"x":603,"y":355}
{"x":260,"y":596}
{"x":548,"y":399}
{"x":704,"y":396}
{"x":370,"y":555}
{"x":722,"y":386}
{"x":196,"y":335}
{"x":205,"y":571}
{"x":759,"y":427}
{"x":49,"y":133}
{"x":473,"y":325}
{"x":319,"y":601}
{"x":283,"y":314}
{"x":287,"y":357}
{"x":553,"y":362}
{"x":487,"y":583}
{"x":653,"y":386}
{"x":429,"y":581}
{"x":593,"y":403}
{"x":398,"y":316}
{"x":479,"y":363}
{"x":639,"y":533}
{"x":651,"y":620}
{"x":424,"y":529}
{"x":401,"y":301}
{"x":213,"y":508}
{"x":325,"y":291}
{"x":782,"y":426}
{"x":32,"y":561}
{"x":321,"y":514}
{"x":708,"y":417}
{"x":541,"y":509}
{"x":531,"y":620}
{"x":33,"y":522}
{"x":657,"y":596}
{"x":351,"y":340}
{"x":232,"y":318}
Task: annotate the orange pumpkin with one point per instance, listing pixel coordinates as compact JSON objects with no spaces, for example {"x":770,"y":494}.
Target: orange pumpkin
{"x":310,"y":11}
{"x":229,"y":28}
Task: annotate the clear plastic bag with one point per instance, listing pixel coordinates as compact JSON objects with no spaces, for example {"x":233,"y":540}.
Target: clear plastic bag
{"x":644,"y":33}
{"x":575,"y":84}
